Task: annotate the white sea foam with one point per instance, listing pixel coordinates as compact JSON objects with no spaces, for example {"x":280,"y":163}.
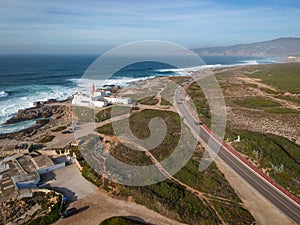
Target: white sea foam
{"x":188,"y":70}
{"x":10,"y":107}
{"x":86,"y":84}
{"x":3,"y":94}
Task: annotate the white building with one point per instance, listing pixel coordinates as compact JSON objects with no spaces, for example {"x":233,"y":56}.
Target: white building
{"x":84,"y":100}
{"x":119,"y":100}
{"x":81,"y":100}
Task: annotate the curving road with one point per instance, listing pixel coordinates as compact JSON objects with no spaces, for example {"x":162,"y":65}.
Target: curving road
{"x":283,"y":200}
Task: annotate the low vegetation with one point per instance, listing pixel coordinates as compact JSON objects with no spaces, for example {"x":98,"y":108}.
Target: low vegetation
{"x":210,"y":181}
{"x":200,"y":102}
{"x":256,"y":102}
{"x":150,"y":100}
{"x":282,"y":76}
{"x":167,"y":197}
{"x":282,"y":111}
{"x":289,"y":98}
{"x":47,"y":139}
{"x":89,"y":174}
{"x":173,"y":201}
{"x":60,"y":128}
{"x":275,"y":155}
{"x":121,"y":221}
{"x":279,"y":156}
{"x":46,"y":204}
{"x":83,"y":114}
{"x":165,"y":102}
{"x":103,"y":115}
{"x":139,"y":124}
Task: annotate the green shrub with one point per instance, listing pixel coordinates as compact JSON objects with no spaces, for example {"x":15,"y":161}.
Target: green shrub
{"x":46,"y":139}
{"x":59,"y":129}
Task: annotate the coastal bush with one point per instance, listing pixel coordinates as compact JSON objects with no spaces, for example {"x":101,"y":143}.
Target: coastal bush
{"x":233,"y":214}
{"x":166,"y":197}
{"x":52,"y":216}
{"x":201,"y":103}
{"x":139,"y":123}
{"x":210,"y":181}
{"x":277,"y":154}
{"x":289,"y":98}
{"x":46,"y":139}
{"x":269,"y":91}
{"x":121,"y":221}
{"x":183,"y":206}
{"x":165,"y":102}
{"x":283,"y":76}
{"x":89,"y":174}
{"x":130,"y":156}
{"x":60,"y":128}
{"x":282,"y":111}
{"x":103,"y":115}
{"x":257,"y":102}
{"x":150,"y":100}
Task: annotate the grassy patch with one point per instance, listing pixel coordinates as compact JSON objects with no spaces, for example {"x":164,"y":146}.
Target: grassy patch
{"x":150,"y":100}
{"x":165,"y":102}
{"x":52,"y":216}
{"x":131,"y":157}
{"x":168,"y":198}
{"x":289,"y":98}
{"x":121,"y":221}
{"x":279,"y":155}
{"x":59,"y":129}
{"x":139,"y":124}
{"x":269,"y":91}
{"x":89,"y":174}
{"x":83,"y":114}
{"x":233,"y":214}
{"x":250,"y":85}
{"x":282,"y":111}
{"x":103,"y":115}
{"x":201,"y":103}
{"x":283,"y":76}
{"x":210,"y":181}
{"x":256,"y":102}
{"x":46,"y":139}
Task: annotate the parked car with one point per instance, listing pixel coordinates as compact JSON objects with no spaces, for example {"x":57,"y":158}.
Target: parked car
{"x":69,"y":212}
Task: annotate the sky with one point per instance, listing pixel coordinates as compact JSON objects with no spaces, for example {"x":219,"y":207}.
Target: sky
{"x":91,"y":27}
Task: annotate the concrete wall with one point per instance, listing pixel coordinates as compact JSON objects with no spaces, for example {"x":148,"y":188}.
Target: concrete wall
{"x":51,"y":168}
{"x":28,"y":184}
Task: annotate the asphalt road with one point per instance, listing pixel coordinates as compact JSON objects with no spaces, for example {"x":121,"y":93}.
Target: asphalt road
{"x":282,"y":201}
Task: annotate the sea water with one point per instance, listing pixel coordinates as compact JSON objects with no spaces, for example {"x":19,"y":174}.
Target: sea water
{"x":25,"y":79}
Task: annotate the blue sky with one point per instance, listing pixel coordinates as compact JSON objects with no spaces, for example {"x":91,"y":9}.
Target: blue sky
{"x":60,"y":26}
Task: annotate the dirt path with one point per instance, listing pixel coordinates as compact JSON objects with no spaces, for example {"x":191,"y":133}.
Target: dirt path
{"x":100,"y":206}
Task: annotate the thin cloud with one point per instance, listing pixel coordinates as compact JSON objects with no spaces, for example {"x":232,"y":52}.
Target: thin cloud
{"x":113,"y":22}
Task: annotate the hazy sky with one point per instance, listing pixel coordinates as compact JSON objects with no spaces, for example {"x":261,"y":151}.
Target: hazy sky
{"x":60,"y":26}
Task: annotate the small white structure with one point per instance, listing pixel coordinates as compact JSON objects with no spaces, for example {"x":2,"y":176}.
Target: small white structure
{"x":119,"y":100}
{"x":81,"y":100}
{"x":84,"y":100}
{"x":99,"y":101}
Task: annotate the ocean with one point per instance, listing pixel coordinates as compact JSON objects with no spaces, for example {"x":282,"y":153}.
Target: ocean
{"x":25,"y":79}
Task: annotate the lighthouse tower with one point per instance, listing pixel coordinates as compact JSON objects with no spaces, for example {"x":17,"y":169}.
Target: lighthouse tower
{"x":93,"y":89}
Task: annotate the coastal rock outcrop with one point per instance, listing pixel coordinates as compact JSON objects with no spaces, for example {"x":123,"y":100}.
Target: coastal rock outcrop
{"x":37,"y":113}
